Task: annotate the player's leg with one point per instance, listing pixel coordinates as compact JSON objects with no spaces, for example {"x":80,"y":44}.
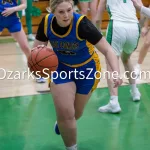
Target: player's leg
{"x":129,"y":47}
{"x":17,"y":32}
{"x":131,"y":76}
{"x":143,"y":52}
{"x":93,"y":10}
{"x":116,"y":39}
{"x":70,"y":106}
{"x":86,"y":86}
{"x":84,"y":5}
{"x":144,"y":49}
{"x":21,"y":38}
{"x":80,"y":103}
{"x":64,"y":97}
{"x":113,"y":105}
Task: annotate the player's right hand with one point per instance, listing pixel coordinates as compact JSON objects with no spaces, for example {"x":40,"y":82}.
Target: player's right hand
{"x":8,"y":11}
{"x":117,"y":82}
{"x":144,"y":31}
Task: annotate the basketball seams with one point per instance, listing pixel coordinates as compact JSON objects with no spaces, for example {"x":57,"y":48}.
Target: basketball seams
{"x":38,"y":53}
{"x":40,"y":58}
{"x":33,"y":63}
{"x":44,"y":58}
{"x":37,"y":63}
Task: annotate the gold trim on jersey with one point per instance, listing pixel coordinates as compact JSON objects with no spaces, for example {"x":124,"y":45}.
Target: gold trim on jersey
{"x":96,"y":59}
{"x":67,"y":33}
{"x":88,"y":44}
{"x":46,"y":24}
{"x":79,"y":65}
{"x":77,"y":25}
{"x":98,"y":69}
{"x":90,"y":47}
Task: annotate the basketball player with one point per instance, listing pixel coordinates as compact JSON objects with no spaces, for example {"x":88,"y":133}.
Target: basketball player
{"x":144,"y":49}
{"x":139,"y":6}
{"x":28,"y":16}
{"x":10,"y":20}
{"x":72,"y":37}
{"x":123,"y":35}
{"x":85,"y":5}
{"x":145,"y":33}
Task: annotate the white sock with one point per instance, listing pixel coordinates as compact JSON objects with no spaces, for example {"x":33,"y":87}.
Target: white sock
{"x":133,"y":87}
{"x":138,"y":65}
{"x":74,"y":147}
{"x":114,"y":98}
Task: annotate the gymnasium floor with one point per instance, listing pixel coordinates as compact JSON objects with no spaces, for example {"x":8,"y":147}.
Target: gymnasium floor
{"x":27,"y":113}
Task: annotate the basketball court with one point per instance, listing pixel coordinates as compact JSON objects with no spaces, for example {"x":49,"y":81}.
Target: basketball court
{"x":27,"y":114}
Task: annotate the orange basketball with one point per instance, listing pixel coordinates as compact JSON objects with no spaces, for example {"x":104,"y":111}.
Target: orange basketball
{"x":42,"y":61}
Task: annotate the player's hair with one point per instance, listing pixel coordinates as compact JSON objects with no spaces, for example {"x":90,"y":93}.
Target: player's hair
{"x":55,"y":3}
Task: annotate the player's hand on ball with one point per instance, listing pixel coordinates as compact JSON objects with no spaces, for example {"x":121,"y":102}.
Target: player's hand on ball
{"x":41,"y":46}
{"x":42,"y":61}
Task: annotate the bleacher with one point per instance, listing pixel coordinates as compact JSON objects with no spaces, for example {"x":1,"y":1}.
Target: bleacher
{"x":42,"y":4}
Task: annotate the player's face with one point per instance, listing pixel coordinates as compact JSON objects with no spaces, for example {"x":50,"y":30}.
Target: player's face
{"x":64,"y":13}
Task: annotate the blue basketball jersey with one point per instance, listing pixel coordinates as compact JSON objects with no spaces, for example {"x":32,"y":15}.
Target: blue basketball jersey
{"x":69,"y":48}
{"x":7,"y":3}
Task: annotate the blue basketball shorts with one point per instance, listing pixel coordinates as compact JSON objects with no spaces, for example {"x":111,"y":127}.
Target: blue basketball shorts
{"x":86,"y":77}
{"x":12,"y":23}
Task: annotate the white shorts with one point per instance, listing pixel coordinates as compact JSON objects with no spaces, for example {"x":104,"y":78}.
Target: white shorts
{"x":123,"y":36}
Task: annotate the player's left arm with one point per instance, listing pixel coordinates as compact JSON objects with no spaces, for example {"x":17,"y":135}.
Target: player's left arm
{"x":41,"y":38}
{"x":90,"y":33}
{"x":145,"y":11}
{"x":139,"y":6}
{"x":10,"y":10}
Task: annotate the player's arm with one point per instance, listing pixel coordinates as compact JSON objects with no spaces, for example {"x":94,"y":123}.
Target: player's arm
{"x":100,"y":11}
{"x":11,"y":10}
{"x":142,"y":20}
{"x":41,"y":38}
{"x":145,"y":11}
{"x":22,"y":6}
{"x":139,"y":6}
{"x":145,"y":29}
{"x":89,"y":32}
{"x":104,"y":47}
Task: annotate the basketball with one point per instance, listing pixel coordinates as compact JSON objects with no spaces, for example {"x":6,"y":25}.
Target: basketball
{"x":42,"y":61}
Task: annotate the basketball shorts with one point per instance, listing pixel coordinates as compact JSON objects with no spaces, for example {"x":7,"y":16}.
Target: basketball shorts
{"x":86,"y":77}
{"x":12,"y":23}
{"x":123,"y":36}
{"x":85,"y":0}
